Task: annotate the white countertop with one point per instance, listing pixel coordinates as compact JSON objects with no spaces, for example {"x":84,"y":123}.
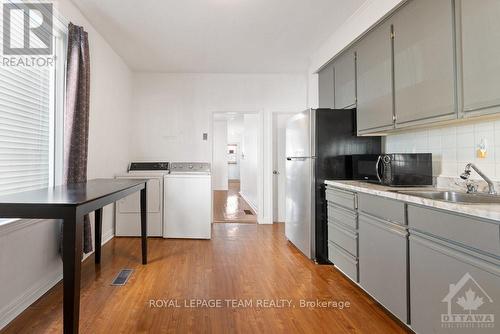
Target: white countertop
{"x":487,"y":211}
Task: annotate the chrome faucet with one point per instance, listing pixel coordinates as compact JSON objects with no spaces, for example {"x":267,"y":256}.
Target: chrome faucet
{"x":466,"y":174}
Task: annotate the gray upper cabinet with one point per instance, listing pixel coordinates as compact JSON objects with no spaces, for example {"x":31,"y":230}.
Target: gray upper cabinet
{"x":480,"y":55}
{"x":424,"y":58}
{"x":345,"y":80}
{"x":374,"y":80}
{"x":326,"y":87}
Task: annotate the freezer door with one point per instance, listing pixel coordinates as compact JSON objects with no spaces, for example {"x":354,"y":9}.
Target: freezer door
{"x":299,"y":227}
{"x":298,"y":135}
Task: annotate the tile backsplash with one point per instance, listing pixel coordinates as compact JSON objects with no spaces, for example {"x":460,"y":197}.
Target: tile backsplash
{"x":453,"y":146}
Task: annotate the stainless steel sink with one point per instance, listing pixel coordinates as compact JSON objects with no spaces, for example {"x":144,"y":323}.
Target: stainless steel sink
{"x":453,"y":196}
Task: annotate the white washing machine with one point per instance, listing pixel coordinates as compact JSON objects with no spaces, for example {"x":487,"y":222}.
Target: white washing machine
{"x":127,"y":210}
{"x":188,"y":201}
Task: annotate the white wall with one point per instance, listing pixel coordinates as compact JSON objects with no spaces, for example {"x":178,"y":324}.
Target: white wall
{"x":29,"y":249}
{"x":363,"y":19}
{"x":452,"y":147}
{"x":250,"y":159}
{"x":172,"y":111}
{"x":219,"y":162}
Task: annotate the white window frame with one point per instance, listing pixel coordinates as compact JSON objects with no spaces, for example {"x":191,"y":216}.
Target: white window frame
{"x":56,"y":153}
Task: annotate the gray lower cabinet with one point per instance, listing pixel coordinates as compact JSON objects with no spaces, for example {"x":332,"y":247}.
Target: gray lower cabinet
{"x":326,"y":87}
{"x":436,"y":270}
{"x":374,"y":80}
{"x":448,"y":283}
{"x":343,"y":231}
{"x":454,"y":271}
{"x":383,"y":253}
{"x":345,"y":80}
{"x":480,"y":33}
{"x":424,"y":58}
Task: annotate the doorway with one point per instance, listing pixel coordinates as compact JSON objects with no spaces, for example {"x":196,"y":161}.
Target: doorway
{"x":279,"y":163}
{"x":235,"y":167}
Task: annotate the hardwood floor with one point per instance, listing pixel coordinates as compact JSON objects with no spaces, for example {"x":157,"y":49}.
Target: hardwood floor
{"x":229,"y":206}
{"x":242,"y":261}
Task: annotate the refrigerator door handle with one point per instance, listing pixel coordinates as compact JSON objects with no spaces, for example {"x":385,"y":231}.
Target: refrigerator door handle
{"x":377,"y":165}
{"x":299,"y":158}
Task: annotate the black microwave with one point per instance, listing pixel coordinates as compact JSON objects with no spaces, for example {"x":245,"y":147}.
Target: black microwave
{"x":395,"y":169}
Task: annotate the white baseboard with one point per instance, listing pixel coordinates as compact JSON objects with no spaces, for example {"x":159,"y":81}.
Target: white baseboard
{"x":107,"y":236}
{"x":267,"y":220}
{"x":16,"y":307}
{"x":252,"y":205}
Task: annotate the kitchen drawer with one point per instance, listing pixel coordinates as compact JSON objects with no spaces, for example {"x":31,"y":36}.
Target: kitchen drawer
{"x":338,"y":214}
{"x":343,"y":198}
{"x":469,"y":231}
{"x":382,"y":207}
{"x":347,"y":263}
{"x":344,"y":238}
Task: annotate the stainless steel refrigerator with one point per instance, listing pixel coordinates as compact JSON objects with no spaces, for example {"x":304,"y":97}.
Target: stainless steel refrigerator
{"x":318,"y":145}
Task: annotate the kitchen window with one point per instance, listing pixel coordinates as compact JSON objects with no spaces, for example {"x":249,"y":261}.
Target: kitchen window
{"x":31,"y":118}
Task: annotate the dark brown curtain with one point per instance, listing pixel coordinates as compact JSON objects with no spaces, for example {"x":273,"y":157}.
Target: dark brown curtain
{"x":76,"y":118}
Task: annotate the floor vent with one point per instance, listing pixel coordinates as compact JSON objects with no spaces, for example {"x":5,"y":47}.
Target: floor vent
{"x":248,"y":212}
{"x":122,"y":277}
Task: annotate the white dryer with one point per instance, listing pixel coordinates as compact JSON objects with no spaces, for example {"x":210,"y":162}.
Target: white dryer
{"x":188,"y":201}
{"x":127,"y":210}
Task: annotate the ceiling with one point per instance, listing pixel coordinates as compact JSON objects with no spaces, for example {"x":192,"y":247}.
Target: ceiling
{"x":218,"y":36}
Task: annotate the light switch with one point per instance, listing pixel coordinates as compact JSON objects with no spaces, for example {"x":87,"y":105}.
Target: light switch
{"x":205,"y":136}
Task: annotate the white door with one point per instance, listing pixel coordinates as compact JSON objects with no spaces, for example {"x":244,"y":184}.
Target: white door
{"x":279,"y":166}
{"x":249,"y":162}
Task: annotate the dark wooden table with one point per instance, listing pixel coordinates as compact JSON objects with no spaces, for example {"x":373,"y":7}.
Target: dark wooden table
{"x":70,"y":203}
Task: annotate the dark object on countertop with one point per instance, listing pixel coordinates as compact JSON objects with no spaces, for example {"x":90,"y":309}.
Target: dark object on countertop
{"x":395,"y":169}
{"x":405,"y":169}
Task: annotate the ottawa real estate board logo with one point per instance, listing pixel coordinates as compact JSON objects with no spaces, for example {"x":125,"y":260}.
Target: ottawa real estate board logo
{"x":466,"y":300}
{"x":27,"y":36}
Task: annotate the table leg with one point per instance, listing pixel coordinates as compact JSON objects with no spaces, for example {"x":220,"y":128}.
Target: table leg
{"x":72,"y":259}
{"x":144,"y":225}
{"x":98,"y":235}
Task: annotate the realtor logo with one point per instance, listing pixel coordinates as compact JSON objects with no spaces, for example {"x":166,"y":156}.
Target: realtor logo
{"x":464,"y":299}
{"x":27,"y":29}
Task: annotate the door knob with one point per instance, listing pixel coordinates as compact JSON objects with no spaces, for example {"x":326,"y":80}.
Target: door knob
{"x":275,"y":172}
